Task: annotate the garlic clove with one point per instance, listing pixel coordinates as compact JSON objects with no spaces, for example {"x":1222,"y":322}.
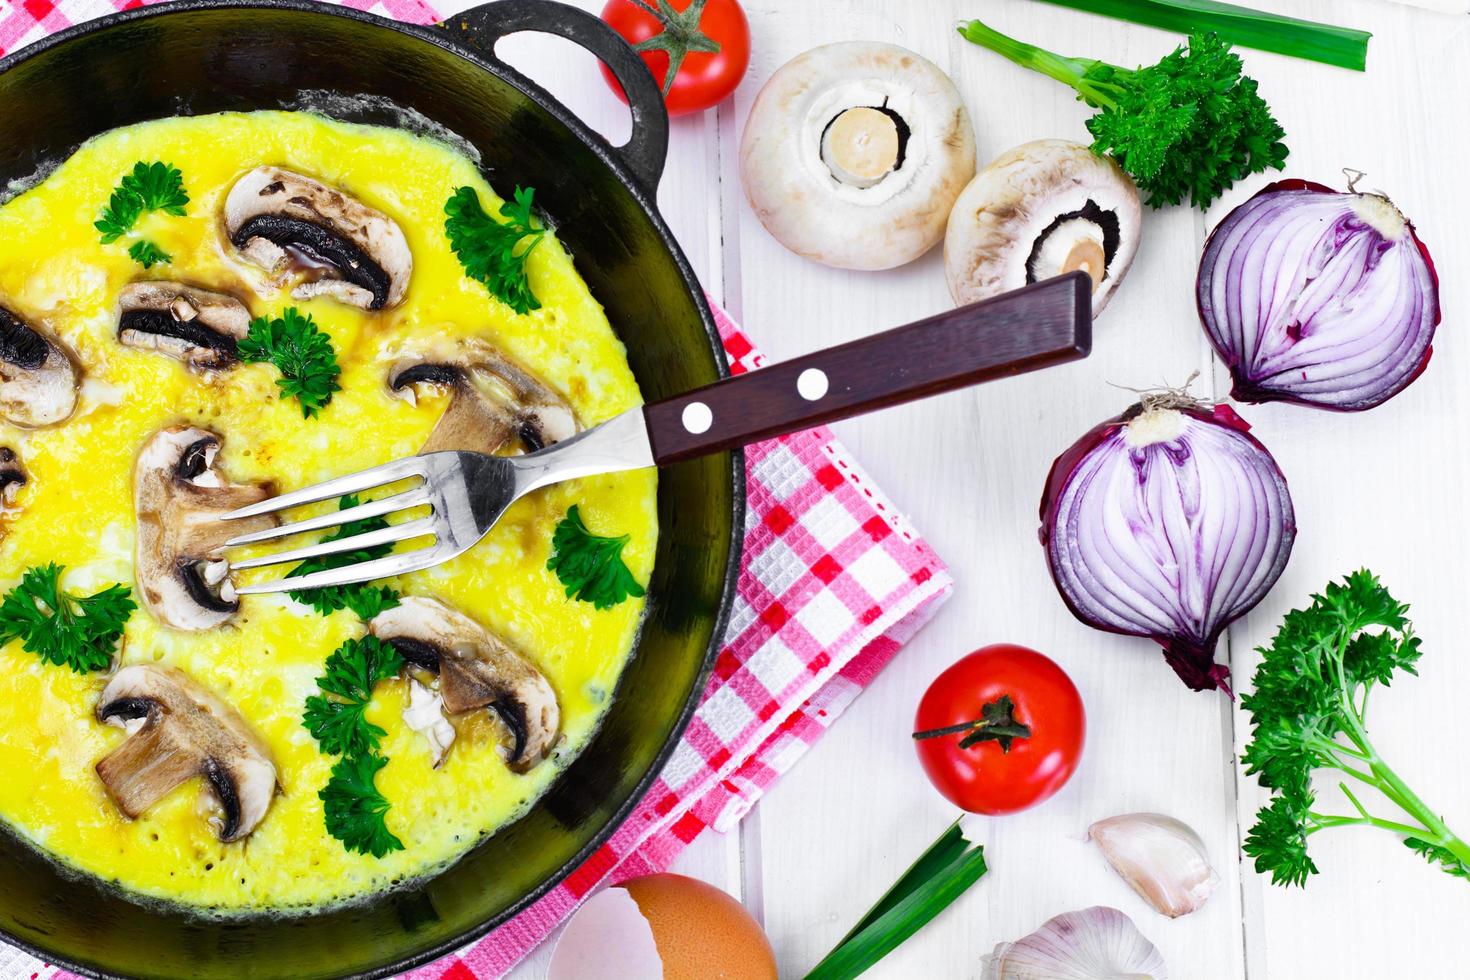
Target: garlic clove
{"x":1099,"y":943}
{"x":1163,"y":859}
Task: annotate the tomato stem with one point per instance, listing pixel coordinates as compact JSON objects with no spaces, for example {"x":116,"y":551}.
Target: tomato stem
{"x":680,"y":35}
{"x":997,"y":723}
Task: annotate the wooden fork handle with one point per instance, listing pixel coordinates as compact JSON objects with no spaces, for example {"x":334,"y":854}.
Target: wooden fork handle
{"x":1033,"y":327}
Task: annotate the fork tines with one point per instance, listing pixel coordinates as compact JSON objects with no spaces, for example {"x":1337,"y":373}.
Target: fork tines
{"x":378,"y":476}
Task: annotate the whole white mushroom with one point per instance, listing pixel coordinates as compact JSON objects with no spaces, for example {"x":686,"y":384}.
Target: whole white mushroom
{"x":854,"y":153}
{"x":1037,"y":211}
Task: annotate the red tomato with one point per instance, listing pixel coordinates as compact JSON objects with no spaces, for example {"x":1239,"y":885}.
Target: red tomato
{"x":984,"y":777}
{"x":705,"y":78}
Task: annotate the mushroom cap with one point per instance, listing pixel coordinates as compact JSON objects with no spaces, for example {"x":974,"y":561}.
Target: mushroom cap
{"x":38,"y":380}
{"x":797,"y":196}
{"x":177,"y":729}
{"x":196,"y":326}
{"x":1002,"y":218}
{"x":476,"y":669}
{"x":361,"y":252}
{"x":179,"y":497}
{"x":493,"y":402}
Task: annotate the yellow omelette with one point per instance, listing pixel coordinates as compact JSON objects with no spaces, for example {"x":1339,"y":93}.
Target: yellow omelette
{"x":77,"y":509}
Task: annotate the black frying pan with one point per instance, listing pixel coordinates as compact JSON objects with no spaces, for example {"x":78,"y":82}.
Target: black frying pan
{"x":199,"y":56}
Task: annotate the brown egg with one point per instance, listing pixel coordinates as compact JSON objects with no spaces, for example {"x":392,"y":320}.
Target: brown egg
{"x":663,"y":927}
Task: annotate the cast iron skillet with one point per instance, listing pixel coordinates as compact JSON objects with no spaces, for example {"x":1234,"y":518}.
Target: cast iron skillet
{"x":198,"y":56}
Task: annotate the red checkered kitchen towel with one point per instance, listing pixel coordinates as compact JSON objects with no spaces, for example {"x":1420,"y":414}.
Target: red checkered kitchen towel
{"x":834,"y":581}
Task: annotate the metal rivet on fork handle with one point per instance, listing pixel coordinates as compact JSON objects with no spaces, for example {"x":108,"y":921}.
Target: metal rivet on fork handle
{"x":697,"y":418}
{"x":812,"y":384}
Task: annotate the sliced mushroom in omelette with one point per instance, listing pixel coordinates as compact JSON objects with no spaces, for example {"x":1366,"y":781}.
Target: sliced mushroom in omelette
{"x":200,"y":327}
{"x":360,"y":254}
{"x":180,"y":496}
{"x":38,"y":379}
{"x":178,"y":730}
{"x":494,"y":402}
{"x":476,"y":669}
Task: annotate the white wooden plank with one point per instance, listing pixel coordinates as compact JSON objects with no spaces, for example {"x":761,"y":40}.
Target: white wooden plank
{"x":1441,"y":6}
{"x":1382,"y":489}
{"x":970,"y":467}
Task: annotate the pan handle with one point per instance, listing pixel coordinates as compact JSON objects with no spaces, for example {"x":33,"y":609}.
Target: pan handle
{"x":1032,"y":327}
{"x":481,"y":27}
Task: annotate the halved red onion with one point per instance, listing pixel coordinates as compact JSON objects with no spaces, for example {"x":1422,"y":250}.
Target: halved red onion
{"x":1318,"y":297}
{"x":1169,"y":521}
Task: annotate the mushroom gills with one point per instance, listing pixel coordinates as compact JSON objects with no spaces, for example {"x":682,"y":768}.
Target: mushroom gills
{"x":493,"y":402}
{"x":1038,"y":211}
{"x":476,"y":669}
{"x":12,"y":476}
{"x":1085,"y":239}
{"x":178,"y":730}
{"x":319,"y":246}
{"x":201,"y":328}
{"x":20,"y":346}
{"x":180,"y":496}
{"x":419,"y":653}
{"x":38,"y":381}
{"x":208,"y":584}
{"x":350,"y":251}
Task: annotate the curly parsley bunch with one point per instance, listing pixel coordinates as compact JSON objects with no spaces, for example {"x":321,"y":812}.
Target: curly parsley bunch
{"x":1189,"y":126}
{"x":354,"y":808}
{"x":1309,"y":714}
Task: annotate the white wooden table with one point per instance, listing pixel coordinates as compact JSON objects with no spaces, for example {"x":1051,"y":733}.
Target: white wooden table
{"x":1386,"y":489}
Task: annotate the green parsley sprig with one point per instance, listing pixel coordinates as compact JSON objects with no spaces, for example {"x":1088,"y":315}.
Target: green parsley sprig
{"x":495,"y":252}
{"x":80,"y":632}
{"x":337,"y":718}
{"x":355,"y":810}
{"x":301,"y":352}
{"x":1190,"y":125}
{"x":153,"y":186}
{"x":362,"y":598}
{"x":147,"y":254}
{"x":1309,"y":710}
{"x":589,"y":566}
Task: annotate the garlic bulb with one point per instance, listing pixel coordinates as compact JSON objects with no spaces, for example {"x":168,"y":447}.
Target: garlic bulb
{"x":1162,"y":858}
{"x":1099,"y":943}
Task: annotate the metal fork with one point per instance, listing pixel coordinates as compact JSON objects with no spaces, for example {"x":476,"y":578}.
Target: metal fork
{"x":466,"y":493}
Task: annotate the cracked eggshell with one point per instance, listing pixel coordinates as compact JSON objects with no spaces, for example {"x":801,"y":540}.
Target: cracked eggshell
{"x":1007,"y":212}
{"x":662,"y":927}
{"x":858,"y":221}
